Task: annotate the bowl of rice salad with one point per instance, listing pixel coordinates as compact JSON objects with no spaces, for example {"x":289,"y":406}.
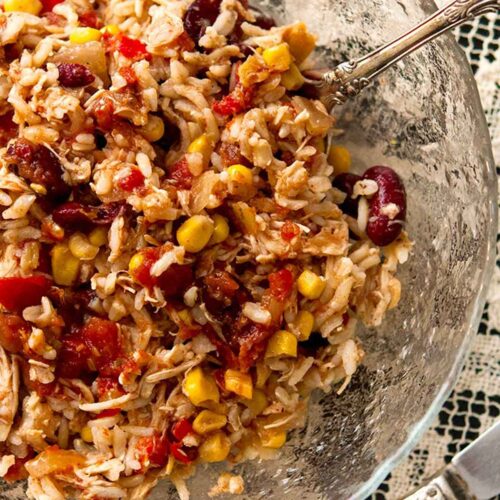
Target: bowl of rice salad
{"x":185,"y":250}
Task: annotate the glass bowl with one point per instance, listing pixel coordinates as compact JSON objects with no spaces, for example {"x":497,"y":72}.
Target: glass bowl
{"x":423,"y":118}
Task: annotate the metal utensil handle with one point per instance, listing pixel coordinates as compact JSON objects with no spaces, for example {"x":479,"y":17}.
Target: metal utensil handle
{"x":446,"y":486}
{"x":350,"y":77}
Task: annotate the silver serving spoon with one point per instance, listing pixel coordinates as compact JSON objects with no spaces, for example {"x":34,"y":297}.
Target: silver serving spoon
{"x":349,"y":78}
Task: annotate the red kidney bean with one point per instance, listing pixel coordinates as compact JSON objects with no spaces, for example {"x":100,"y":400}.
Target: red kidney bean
{"x":175,"y":280}
{"x":74,"y":75}
{"x":107,"y":213}
{"x":200,"y":15}
{"x":39,"y":165}
{"x":345,"y":182}
{"x":73,"y":215}
{"x":387,"y":212}
{"x":70,"y":215}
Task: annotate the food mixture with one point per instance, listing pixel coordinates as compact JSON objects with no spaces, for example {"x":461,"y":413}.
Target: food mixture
{"x":184,"y":253}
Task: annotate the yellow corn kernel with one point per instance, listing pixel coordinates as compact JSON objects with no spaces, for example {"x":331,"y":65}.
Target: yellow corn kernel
{"x":272,"y":438}
{"x":112,"y":29}
{"x":263,"y":372}
{"x":201,"y":145}
{"x":300,"y":41}
{"x":278,"y":57}
{"x":199,"y":386}
{"x":282,"y":343}
{"x":258,"y":403}
{"x":81,"y":248}
{"x":253,"y":70}
{"x":216,"y":448}
{"x":84,"y":35}
{"x":86,"y":434}
{"x":195,"y":233}
{"x":154,"y":129}
{"x":340,"y":159}
{"x":29,"y":6}
{"x":65,"y":267}
{"x":240,"y":174}
{"x":98,"y":236}
{"x":305,"y":324}
{"x":239,"y":383}
{"x":310,"y":285}
{"x":221,"y":230}
{"x":208,"y":421}
{"x":135,"y":262}
{"x":246,"y":217}
{"x":292,"y":79}
{"x":240,"y":181}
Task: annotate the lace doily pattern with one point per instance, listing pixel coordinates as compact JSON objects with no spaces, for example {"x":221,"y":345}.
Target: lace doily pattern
{"x":474,"y":405}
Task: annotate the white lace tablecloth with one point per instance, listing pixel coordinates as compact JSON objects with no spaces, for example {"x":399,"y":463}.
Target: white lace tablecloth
{"x":474,"y":405}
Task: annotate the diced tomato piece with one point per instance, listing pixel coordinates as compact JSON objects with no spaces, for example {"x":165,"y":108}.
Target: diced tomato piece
{"x":129,"y":75}
{"x":173,"y":282}
{"x":142,"y":272}
{"x":133,"y":49}
{"x":289,"y":230}
{"x":97,"y":341}
{"x":108,"y":413}
{"x":181,"y":429}
{"x":72,"y":357}
{"x":104,"y":113}
{"x":18,"y":293}
{"x":281,"y":284}
{"x":45,"y":390}
{"x":252,"y":339}
{"x":8,"y":129}
{"x":90,"y":20}
{"x":221,"y":285}
{"x":104,"y":343}
{"x":17,"y":471}
{"x":132,"y":181}
{"x":239,"y":100}
{"x":153,"y":450}
{"x":180,"y":174}
{"x":186,"y":333}
{"x":108,"y":388}
{"x":14,"y":332}
{"x":130,"y":366}
{"x":48,"y":5}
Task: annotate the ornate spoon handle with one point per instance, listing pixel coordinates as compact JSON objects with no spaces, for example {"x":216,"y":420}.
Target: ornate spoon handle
{"x":350,"y":77}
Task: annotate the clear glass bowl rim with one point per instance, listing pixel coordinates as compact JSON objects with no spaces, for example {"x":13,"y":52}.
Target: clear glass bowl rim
{"x":418,"y":429}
